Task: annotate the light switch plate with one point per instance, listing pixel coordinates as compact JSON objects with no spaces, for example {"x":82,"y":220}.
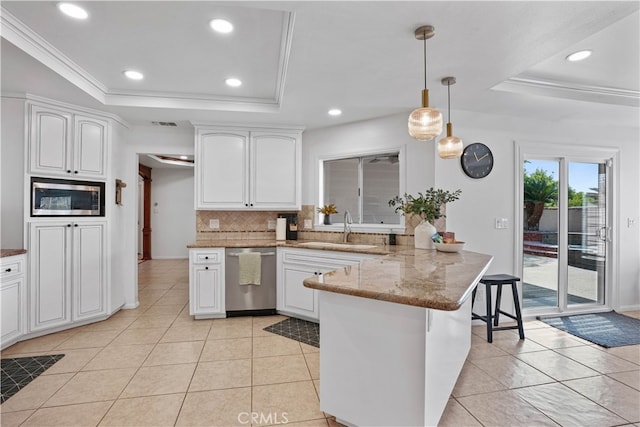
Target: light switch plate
{"x":214,"y":224}
{"x":271,"y":224}
{"x":307,"y":224}
{"x":502,"y":223}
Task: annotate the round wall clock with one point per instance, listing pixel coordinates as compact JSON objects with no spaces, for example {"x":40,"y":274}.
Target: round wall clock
{"x":476,"y":160}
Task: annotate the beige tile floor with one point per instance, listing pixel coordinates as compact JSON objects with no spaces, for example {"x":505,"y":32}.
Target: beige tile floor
{"x":156,"y":366}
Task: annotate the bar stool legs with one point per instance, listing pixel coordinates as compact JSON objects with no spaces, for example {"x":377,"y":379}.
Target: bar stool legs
{"x":492,"y":317}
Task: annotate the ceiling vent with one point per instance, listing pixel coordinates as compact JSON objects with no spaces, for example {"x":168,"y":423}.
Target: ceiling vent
{"x":169,"y":124}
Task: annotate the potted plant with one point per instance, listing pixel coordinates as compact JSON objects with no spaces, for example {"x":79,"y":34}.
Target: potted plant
{"x":327,"y":211}
{"x":426,"y":206}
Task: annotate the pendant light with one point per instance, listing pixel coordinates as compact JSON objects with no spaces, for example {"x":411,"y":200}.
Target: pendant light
{"x":425,"y":123}
{"x":449,"y":147}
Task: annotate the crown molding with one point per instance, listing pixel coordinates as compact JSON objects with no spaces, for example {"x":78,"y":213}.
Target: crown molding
{"x":19,"y":34}
{"x":534,"y":85}
{"x":23,"y":37}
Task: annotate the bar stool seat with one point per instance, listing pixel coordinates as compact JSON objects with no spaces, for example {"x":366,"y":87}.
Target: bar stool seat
{"x":492,"y":317}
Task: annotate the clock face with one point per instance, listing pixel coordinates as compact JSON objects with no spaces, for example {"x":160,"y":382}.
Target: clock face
{"x":476,"y":160}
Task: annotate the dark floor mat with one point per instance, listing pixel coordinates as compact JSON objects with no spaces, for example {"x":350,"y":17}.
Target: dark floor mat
{"x":605,"y":329}
{"x":299,"y":330}
{"x":536,"y":296}
{"x":18,"y":372}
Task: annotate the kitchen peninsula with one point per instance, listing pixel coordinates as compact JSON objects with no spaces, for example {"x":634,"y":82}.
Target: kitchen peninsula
{"x":395,"y":332}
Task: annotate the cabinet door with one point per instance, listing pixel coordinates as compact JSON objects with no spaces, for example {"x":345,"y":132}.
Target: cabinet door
{"x":293,"y":297}
{"x":11,"y":298}
{"x":50,"y":292}
{"x":89,"y":271}
{"x":89,"y":147}
{"x":50,"y":141}
{"x":275,"y":171}
{"x":221,"y":170}
{"x":206,"y":297}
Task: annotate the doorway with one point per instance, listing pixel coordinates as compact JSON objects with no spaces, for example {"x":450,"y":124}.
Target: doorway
{"x":566,"y":233}
{"x":144,"y":172}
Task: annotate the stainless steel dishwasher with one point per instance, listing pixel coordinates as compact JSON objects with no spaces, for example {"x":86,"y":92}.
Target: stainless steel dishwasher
{"x":250,"y":300}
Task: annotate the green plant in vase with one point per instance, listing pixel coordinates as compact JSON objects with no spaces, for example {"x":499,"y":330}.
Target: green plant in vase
{"x":427,"y":206}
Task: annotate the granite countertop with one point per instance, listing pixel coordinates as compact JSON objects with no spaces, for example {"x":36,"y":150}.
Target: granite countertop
{"x":11,"y":252}
{"x":418,"y":277}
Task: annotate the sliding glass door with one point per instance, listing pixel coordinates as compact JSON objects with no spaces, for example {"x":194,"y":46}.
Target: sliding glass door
{"x":566,"y":234}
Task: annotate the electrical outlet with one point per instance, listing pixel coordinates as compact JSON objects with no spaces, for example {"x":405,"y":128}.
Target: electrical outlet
{"x":631,"y":222}
{"x":271,"y":224}
{"x":502,"y":223}
{"x":214,"y":224}
{"x":308,"y":224}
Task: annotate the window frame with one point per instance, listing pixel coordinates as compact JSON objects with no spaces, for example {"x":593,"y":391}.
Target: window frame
{"x":364,"y":228}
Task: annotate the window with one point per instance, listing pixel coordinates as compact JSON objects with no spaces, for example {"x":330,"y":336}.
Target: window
{"x":363,"y":186}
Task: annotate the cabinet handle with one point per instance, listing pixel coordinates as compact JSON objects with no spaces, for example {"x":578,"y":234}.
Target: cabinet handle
{"x":206,"y":268}
{"x":75,"y":171}
{"x":246,"y":204}
{"x":75,"y":225}
{"x":68,"y":171}
{"x":252,"y":204}
{"x":68,"y":225}
{"x":206,"y":257}
{"x":8,"y":270}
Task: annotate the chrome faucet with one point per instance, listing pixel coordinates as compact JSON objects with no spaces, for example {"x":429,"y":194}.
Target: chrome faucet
{"x":347,"y":226}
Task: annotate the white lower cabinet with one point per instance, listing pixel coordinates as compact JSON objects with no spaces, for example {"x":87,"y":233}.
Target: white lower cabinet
{"x":68,"y":278}
{"x":12,"y":299}
{"x":295,"y":265}
{"x":206,"y":283}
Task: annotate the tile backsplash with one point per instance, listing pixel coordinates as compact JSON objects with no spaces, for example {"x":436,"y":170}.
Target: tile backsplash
{"x":253,"y":225}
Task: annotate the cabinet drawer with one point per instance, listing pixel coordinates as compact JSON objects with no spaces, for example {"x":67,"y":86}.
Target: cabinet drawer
{"x":317,"y":258}
{"x":207,"y":256}
{"x":11,"y":266}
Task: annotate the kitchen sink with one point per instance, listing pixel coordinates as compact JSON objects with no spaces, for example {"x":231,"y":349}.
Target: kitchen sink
{"x":335,"y":245}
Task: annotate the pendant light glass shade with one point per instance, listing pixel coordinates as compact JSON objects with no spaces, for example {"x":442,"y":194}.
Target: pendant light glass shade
{"x":425,"y":123}
{"x":449,"y":147}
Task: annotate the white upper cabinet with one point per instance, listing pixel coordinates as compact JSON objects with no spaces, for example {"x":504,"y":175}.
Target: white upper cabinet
{"x":64,"y":144}
{"x":248,"y":169}
{"x":222,"y":170}
{"x":89,"y":147}
{"x":275,"y":181}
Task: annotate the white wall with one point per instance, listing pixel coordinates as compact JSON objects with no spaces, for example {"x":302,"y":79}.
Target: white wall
{"x":173,"y":218}
{"x":472,"y":217}
{"x":382,"y":134}
{"x":12,"y":153}
{"x":123,"y":262}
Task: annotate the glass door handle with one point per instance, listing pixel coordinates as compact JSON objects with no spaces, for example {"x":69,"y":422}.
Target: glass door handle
{"x":602,"y":233}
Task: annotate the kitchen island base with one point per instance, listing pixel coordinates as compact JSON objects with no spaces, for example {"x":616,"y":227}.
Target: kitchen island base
{"x":384,"y":363}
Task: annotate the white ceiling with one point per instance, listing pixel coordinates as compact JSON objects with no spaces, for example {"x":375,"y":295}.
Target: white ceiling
{"x":297,"y":59}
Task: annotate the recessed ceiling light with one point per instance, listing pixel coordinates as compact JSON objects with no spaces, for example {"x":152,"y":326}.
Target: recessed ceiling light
{"x":335,"y":112}
{"x":221,"y":26}
{"x":579,"y":56}
{"x":73,"y":11}
{"x":133,"y":75}
{"x":183,"y":157}
{"x":233,"y":82}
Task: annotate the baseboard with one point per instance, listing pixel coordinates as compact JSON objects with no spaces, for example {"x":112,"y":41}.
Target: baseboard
{"x":624,"y":308}
{"x":169,"y":257}
{"x":131,"y":306}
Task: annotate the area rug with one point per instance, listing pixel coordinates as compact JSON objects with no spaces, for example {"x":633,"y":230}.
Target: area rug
{"x":605,"y":329}
{"x":296,"y":329}
{"x":20,"y":371}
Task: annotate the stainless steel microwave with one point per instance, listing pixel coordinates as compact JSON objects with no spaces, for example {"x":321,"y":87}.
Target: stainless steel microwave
{"x":65,"y":197}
